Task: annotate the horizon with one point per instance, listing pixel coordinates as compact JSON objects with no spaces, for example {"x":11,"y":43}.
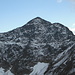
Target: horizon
{"x":17,"y":13}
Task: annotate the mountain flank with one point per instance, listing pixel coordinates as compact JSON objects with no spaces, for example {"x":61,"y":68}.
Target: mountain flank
{"x":38,"y":42}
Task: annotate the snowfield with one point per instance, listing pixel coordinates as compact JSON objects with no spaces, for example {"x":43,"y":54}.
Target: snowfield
{"x":39,"y":68}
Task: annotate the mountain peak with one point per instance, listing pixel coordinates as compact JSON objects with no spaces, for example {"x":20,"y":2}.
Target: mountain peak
{"x":38,"y":20}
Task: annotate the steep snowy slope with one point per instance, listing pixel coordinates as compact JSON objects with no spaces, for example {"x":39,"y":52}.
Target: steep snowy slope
{"x":38,"y":41}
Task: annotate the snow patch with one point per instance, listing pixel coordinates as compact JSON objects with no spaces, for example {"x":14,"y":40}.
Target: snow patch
{"x":5,"y":73}
{"x":1,"y":71}
{"x":39,"y":68}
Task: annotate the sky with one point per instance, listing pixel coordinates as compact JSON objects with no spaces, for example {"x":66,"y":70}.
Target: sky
{"x":16,"y":13}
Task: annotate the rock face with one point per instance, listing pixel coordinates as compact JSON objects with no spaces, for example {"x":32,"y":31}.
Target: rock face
{"x":38,"y":41}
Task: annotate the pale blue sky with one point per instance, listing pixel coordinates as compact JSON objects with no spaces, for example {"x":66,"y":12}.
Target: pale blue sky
{"x":16,"y":13}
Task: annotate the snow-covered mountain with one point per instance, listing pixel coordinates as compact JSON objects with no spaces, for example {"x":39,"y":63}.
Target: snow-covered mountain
{"x":38,"y":48}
